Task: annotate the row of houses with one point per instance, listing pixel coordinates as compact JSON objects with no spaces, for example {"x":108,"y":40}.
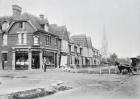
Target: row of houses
{"x":25,"y":40}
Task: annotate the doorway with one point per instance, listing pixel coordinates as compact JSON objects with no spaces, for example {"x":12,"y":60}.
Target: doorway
{"x":4,"y":60}
{"x":35,"y":60}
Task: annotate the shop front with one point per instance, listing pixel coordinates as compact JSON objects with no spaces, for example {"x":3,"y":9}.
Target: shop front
{"x":26,"y":59}
{"x":35,"y":60}
{"x":21,"y":60}
{"x":31,"y":58}
{"x":51,"y":57}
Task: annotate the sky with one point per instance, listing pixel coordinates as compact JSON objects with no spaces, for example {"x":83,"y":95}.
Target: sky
{"x":121,"y":19}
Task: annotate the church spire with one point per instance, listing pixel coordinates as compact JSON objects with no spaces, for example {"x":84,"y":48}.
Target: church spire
{"x":104,"y":49}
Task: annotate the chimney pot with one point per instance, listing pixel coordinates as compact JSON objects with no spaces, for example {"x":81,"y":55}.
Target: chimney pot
{"x":16,"y":11}
{"x":41,"y":16}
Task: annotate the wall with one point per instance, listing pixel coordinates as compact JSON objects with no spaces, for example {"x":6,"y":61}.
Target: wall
{"x":85,"y":52}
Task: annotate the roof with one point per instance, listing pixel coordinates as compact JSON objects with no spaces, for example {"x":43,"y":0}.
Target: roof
{"x":34,"y":20}
{"x":80,"y":39}
{"x":89,"y":42}
{"x":60,"y":31}
{"x":6,"y":18}
{"x":24,"y":17}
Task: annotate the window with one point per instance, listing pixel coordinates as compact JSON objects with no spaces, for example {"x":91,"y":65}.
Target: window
{"x":4,"y":56}
{"x":75,"y":49}
{"x":48,"y":40}
{"x":22,"y":38}
{"x":5,"y":39}
{"x":80,"y":51}
{"x":55,"y":41}
{"x":36,"y":40}
{"x":70,"y":48}
{"x":46,"y":28}
{"x":43,"y":26}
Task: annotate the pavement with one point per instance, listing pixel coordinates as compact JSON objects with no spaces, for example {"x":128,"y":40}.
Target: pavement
{"x":84,"y":85}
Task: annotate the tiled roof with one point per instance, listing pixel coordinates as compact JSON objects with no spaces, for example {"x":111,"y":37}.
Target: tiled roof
{"x":34,"y":20}
{"x":26,"y":16}
{"x":89,"y":42}
{"x":61,"y":31}
{"x":6,"y":18}
{"x":80,"y":39}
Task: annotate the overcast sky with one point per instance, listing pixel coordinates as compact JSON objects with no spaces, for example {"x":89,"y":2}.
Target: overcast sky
{"x":121,"y":19}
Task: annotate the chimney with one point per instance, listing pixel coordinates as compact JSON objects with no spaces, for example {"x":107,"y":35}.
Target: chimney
{"x":16,"y":11}
{"x":41,"y":16}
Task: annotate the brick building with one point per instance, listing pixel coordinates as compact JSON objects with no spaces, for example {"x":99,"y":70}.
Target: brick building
{"x":25,"y":41}
{"x":63,"y":34}
{"x":86,"y":56}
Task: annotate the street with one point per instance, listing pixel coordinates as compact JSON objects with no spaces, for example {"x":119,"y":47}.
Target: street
{"x":84,"y":86}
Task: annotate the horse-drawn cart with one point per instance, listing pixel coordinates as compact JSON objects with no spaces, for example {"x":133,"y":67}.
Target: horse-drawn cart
{"x":132,"y":68}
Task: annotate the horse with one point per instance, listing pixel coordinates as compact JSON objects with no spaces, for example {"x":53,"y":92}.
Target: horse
{"x":123,"y":67}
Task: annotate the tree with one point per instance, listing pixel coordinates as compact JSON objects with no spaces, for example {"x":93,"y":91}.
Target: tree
{"x":113,"y":58}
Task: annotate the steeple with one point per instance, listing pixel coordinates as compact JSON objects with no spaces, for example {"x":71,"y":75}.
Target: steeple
{"x":104,"y":49}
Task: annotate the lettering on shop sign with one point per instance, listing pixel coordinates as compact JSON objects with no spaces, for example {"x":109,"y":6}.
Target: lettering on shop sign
{"x":22,"y":50}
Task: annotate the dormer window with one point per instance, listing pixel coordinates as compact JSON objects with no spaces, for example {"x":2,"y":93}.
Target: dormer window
{"x":43,"y":26}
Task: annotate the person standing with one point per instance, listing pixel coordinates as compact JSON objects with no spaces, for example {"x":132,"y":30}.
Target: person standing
{"x":44,"y":64}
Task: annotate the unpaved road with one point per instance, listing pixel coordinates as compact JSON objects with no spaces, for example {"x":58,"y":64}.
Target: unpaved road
{"x":85,"y":86}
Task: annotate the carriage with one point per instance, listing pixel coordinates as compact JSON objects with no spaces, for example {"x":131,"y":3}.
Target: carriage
{"x":132,"y":68}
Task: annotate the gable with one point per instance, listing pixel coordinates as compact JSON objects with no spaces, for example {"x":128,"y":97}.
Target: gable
{"x":15,"y":27}
{"x":66,"y":36}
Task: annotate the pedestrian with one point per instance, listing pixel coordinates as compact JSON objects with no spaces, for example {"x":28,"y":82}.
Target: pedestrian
{"x":44,"y":64}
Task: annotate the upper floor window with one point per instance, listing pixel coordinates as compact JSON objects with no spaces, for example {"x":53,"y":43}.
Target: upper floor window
{"x":21,"y":25}
{"x":46,"y":28}
{"x":22,"y":38}
{"x":55,"y":41}
{"x":75,"y":49}
{"x":48,"y":40}
{"x":80,"y":51}
{"x":69,"y":48}
{"x":5,"y":39}
{"x":36,"y":40}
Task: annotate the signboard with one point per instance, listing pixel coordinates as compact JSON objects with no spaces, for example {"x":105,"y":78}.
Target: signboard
{"x":22,"y":49}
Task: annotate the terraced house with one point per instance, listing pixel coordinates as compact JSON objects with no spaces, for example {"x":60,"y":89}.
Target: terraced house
{"x":25,"y":41}
{"x":63,"y":34}
{"x":85,"y":49}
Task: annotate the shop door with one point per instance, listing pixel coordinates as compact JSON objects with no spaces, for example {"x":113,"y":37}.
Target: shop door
{"x":35,"y":60}
{"x":4,"y":60}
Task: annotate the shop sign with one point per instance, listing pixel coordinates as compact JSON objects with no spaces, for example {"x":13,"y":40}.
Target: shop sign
{"x":22,"y":50}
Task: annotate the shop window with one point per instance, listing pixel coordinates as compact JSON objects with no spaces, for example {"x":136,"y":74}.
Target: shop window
{"x":22,"y":60}
{"x":4,"y":56}
{"x":22,"y":38}
{"x":36,"y":40}
{"x":5,"y":39}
